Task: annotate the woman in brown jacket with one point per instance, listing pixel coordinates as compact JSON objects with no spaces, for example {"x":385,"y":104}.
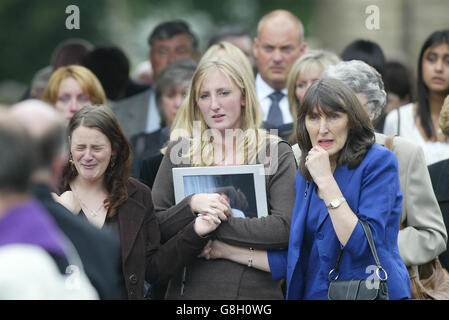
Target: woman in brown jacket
{"x":97,"y":187}
{"x":222,"y":100}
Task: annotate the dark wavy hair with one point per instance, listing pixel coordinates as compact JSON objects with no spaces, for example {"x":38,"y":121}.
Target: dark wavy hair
{"x":328,"y":96}
{"x":423,"y":111}
{"x":116,"y":177}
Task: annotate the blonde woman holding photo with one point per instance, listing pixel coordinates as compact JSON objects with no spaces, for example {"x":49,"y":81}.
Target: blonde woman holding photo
{"x":217,"y":125}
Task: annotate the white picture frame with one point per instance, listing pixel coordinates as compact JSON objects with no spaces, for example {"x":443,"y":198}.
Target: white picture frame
{"x":244,"y":185}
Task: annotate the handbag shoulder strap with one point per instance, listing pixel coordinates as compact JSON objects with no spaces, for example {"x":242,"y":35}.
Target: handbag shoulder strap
{"x":371,"y":244}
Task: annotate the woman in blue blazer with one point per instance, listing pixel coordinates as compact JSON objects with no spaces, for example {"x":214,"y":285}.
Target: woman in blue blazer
{"x":343,"y":178}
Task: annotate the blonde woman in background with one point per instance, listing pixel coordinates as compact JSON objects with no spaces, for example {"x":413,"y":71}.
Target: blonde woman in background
{"x":72,"y":88}
{"x":307,"y":69}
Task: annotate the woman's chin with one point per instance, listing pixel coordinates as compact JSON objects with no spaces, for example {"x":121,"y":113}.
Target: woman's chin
{"x":90,"y":176}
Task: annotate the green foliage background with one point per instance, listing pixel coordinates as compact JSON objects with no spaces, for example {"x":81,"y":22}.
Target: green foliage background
{"x":31,"y":29}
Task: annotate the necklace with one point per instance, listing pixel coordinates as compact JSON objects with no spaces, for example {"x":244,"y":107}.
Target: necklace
{"x":93,"y":213}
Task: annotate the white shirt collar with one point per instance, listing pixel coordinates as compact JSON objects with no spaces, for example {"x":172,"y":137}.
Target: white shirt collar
{"x":263,"y":89}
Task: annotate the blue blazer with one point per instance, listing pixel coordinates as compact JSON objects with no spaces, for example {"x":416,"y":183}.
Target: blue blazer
{"x":373,"y":193}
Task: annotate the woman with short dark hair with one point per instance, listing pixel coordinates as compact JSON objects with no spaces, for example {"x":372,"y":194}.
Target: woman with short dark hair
{"x":423,"y":235}
{"x":344,"y":178}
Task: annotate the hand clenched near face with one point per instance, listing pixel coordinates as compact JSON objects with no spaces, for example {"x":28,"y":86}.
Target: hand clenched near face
{"x":318,"y":164}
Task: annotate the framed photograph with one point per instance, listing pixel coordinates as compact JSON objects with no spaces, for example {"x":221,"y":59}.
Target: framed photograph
{"x":243,"y":186}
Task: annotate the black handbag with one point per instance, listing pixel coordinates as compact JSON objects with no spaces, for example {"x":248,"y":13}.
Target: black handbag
{"x":359,"y":289}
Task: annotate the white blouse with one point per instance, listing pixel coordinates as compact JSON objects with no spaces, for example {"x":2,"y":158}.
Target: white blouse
{"x":433,"y":151}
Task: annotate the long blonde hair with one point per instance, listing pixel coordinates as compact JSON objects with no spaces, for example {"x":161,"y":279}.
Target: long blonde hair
{"x":251,"y":118}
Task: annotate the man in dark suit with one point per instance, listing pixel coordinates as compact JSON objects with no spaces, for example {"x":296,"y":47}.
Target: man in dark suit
{"x":279,"y":42}
{"x":98,"y":251}
{"x":169,"y":42}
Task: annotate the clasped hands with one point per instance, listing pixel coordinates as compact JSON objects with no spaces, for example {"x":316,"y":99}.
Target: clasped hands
{"x":215,"y":249}
{"x":212,"y":208}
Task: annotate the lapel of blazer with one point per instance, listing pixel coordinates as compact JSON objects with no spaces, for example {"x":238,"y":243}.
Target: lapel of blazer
{"x":297,"y":228}
{"x":130,"y":214}
{"x":343,"y":177}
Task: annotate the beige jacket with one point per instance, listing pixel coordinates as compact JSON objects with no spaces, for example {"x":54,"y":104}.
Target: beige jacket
{"x":423,"y":235}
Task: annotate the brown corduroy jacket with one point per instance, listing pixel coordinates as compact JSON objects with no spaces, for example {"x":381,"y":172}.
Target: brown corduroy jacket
{"x":143,"y":257}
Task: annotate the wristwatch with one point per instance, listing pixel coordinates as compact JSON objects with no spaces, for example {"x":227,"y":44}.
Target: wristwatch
{"x":334,"y":204}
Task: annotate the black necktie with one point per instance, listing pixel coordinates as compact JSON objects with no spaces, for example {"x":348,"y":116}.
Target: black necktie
{"x":275,"y":114}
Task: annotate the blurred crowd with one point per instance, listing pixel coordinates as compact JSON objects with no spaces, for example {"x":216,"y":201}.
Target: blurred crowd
{"x":87,"y":207}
